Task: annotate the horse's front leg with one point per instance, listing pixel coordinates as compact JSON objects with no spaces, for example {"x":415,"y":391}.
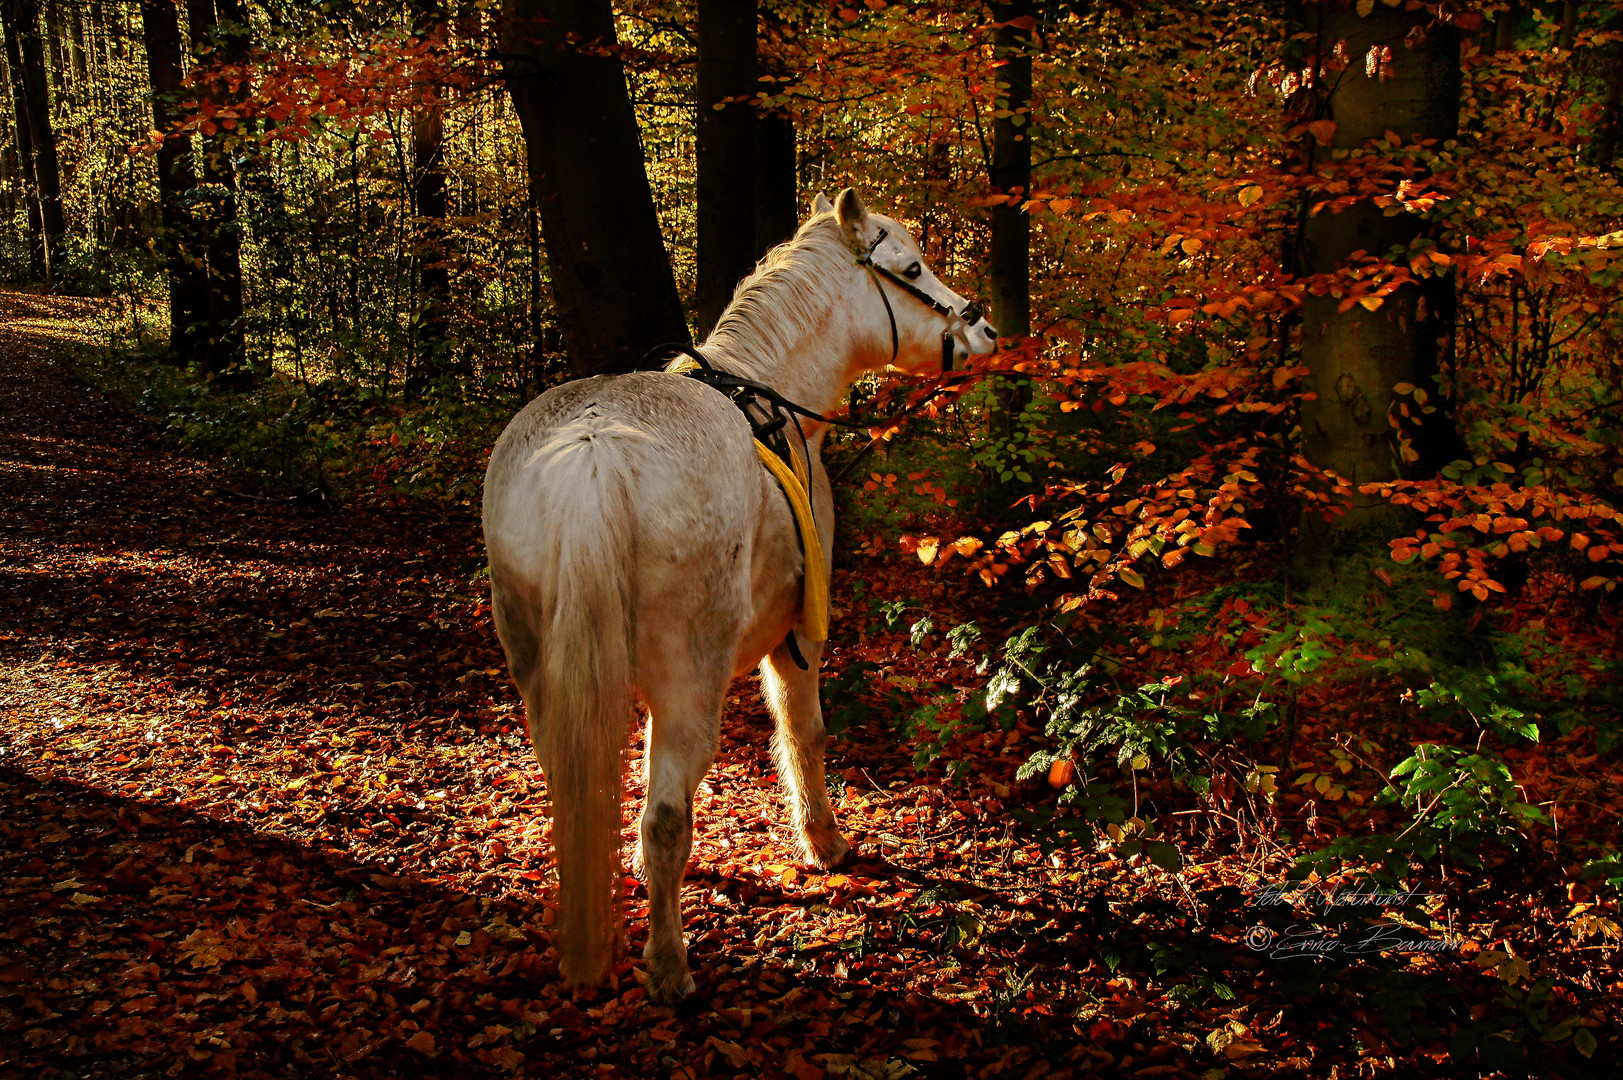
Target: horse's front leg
{"x":797,"y":747}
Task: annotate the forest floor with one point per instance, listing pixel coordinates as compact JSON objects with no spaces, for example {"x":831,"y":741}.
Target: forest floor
{"x":268,"y":811}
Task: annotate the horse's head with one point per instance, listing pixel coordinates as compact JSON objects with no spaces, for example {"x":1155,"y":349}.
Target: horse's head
{"x":929,"y":324}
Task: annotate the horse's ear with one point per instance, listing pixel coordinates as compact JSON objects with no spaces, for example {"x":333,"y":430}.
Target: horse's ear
{"x":850,"y":212}
{"x":821,"y":205}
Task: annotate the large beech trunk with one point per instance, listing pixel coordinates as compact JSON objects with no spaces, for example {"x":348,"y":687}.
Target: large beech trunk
{"x":1356,"y":357}
{"x":727,"y":79}
{"x":611,"y":279}
{"x":777,"y":209}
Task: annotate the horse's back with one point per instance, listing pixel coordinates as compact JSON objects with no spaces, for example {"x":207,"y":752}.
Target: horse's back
{"x":665,"y":469}
{"x":681,"y":450}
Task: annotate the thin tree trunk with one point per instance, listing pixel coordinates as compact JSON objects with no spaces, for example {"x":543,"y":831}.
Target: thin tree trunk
{"x":25,"y":153}
{"x":58,"y":51}
{"x":1504,"y":29}
{"x":1603,"y":151}
{"x":428,"y":199}
{"x":222,"y":335}
{"x":727,"y":78}
{"x":532,"y":233}
{"x":182,"y":247}
{"x":76,"y":47}
{"x":1356,"y":357}
{"x":1568,"y":34}
{"x":22,"y":19}
{"x":613,"y":291}
{"x":1009,"y":263}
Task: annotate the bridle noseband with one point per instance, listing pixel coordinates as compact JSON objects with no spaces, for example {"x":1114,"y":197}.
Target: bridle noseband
{"x":956,"y":320}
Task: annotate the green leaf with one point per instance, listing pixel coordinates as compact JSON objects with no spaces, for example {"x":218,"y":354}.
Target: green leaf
{"x":1163,"y":854}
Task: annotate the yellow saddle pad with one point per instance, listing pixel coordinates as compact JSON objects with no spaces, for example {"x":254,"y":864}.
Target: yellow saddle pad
{"x":796,"y":485}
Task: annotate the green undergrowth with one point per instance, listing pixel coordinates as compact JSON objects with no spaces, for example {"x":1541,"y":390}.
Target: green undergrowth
{"x":321,"y":442}
{"x":1374,"y":744}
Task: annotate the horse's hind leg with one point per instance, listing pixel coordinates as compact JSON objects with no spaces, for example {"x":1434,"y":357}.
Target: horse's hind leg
{"x":797,"y":747}
{"x":684,"y":729}
{"x":520,"y":643}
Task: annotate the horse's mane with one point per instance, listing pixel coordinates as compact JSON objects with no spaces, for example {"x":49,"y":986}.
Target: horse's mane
{"x":782,"y":301}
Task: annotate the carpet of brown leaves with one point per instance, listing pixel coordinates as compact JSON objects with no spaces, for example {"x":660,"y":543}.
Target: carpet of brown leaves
{"x":266,"y":810}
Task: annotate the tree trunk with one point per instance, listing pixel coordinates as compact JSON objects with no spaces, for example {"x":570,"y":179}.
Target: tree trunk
{"x":58,"y":51}
{"x":532,"y":233}
{"x":1356,"y":357}
{"x":1009,"y":264}
{"x":726,"y":153}
{"x":76,"y":47}
{"x":22,"y":21}
{"x":1504,"y":29}
{"x":1603,"y":150}
{"x":183,"y":249}
{"x":428,"y":197}
{"x":222,"y":335}
{"x":777,"y":188}
{"x":1568,"y":34}
{"x":612,"y":287}
{"x":27,"y":188}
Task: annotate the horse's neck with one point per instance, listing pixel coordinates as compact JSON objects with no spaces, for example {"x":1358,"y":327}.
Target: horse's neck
{"x":812,"y":363}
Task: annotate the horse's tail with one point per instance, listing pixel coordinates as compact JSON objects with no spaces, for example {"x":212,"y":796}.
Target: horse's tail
{"x":585,"y":699}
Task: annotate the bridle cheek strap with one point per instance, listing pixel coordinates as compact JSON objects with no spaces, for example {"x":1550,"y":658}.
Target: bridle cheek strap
{"x":957,"y":321}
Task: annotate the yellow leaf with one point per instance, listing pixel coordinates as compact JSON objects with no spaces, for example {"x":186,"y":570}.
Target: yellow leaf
{"x":1132,"y":577}
{"x":927,"y":550}
{"x":1370,"y":303}
{"x":1192,"y":246}
{"x":1365,"y":8}
{"x":1249,"y":195}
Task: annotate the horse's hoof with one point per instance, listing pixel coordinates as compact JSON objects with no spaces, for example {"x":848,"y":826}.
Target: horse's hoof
{"x":667,"y":991}
{"x":825,"y":848}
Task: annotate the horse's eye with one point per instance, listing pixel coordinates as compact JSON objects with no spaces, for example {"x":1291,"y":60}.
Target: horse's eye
{"x":912,"y":272}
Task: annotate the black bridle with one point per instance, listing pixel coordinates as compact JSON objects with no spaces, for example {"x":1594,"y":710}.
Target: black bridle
{"x":956,"y":320}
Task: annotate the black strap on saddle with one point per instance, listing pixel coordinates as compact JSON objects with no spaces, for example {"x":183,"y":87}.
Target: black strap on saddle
{"x":769,"y":415}
{"x":768,"y":412}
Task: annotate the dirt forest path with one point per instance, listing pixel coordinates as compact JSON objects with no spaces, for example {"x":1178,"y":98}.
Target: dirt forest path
{"x":266,"y":809}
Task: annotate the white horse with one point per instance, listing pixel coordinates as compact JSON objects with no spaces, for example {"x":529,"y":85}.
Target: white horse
{"x":639,"y":549}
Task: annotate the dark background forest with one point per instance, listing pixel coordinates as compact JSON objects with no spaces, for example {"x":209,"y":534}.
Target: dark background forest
{"x":1225,"y":676}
